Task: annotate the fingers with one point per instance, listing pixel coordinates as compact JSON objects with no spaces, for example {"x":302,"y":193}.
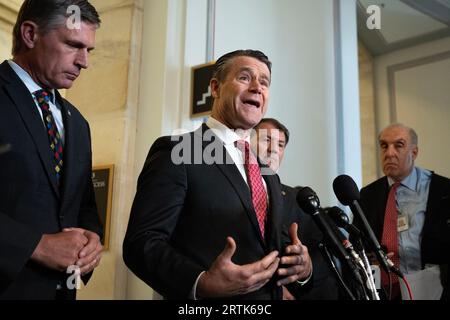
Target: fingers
{"x":288,"y":280}
{"x":87,"y":260}
{"x":287,"y":295}
{"x":90,"y":247}
{"x":293,"y":229}
{"x":259,"y":279}
{"x":263,"y":270}
{"x":91,"y":265}
{"x":229,"y":250}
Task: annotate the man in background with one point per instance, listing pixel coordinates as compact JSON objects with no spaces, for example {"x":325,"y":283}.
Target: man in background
{"x":269,"y":142}
{"x":409,"y":212}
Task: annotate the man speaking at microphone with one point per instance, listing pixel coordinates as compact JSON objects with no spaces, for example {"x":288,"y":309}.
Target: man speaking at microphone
{"x":210,"y":227}
{"x":409,"y":212}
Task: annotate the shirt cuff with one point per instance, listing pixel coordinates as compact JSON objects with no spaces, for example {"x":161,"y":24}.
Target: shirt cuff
{"x":193,"y":295}
{"x":302,"y":283}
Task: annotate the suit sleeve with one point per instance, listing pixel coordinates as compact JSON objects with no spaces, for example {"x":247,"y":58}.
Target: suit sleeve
{"x":17,"y":244}
{"x":159,"y":201}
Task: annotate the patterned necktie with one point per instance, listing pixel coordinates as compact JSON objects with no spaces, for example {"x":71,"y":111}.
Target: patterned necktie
{"x":258,"y":192}
{"x":390,"y":238}
{"x":54,"y":138}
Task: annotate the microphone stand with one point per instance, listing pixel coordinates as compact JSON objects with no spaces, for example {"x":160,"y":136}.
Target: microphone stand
{"x":368,"y":270}
{"x":327,"y":256}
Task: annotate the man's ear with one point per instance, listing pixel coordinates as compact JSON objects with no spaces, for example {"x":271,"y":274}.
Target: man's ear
{"x":215,"y":88}
{"x":415,"y":152}
{"x":29,"y":33}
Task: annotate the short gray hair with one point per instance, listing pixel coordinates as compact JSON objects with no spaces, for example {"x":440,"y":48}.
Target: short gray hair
{"x":412,"y":133}
{"x":49,"y":15}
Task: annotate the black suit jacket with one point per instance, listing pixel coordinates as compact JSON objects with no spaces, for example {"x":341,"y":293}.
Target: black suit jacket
{"x":323,"y":285}
{"x":182,"y":215}
{"x":31,"y":203}
{"x":435,"y":246}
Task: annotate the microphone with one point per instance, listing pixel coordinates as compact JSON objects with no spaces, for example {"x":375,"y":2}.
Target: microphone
{"x":309,"y":202}
{"x":342,"y":221}
{"x":4,"y":148}
{"x":347,"y":193}
{"x":333,"y":212}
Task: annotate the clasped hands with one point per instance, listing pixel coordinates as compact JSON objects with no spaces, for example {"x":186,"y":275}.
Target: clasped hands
{"x":225,"y":278}
{"x":72,"y":246}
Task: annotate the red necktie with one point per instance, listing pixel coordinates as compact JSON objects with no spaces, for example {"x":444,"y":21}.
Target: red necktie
{"x":258,"y":192}
{"x":54,"y":138}
{"x":390,"y":238}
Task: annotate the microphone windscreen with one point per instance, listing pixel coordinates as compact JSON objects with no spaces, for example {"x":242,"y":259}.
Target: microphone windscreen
{"x":307,"y":200}
{"x":345,"y":189}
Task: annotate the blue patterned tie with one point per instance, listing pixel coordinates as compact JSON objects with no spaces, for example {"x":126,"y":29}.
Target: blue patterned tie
{"x":54,"y":138}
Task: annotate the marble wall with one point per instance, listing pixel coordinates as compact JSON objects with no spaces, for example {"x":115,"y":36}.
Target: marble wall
{"x":367,"y":111}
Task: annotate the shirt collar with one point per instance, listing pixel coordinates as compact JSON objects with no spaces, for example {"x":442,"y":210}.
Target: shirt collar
{"x":410,"y":181}
{"x":227,"y":135}
{"x":31,"y":85}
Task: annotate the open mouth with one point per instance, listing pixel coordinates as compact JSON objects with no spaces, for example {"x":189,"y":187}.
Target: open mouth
{"x":251,"y":102}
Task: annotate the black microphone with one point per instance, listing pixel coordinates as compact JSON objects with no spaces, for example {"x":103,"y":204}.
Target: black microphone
{"x":334,"y":211}
{"x":342,"y":221}
{"x":309,"y":202}
{"x":347,"y":193}
{"x":4,"y":148}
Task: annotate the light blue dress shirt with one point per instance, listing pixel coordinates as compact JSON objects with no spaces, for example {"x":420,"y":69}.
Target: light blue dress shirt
{"x":412,"y":198}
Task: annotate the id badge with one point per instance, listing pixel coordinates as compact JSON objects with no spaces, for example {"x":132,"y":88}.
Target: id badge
{"x":402,"y":222}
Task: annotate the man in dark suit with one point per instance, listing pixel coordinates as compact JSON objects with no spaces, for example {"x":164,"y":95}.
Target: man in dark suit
{"x":269,"y":141}
{"x":48,"y":217}
{"x":421,"y":218}
{"x":202,"y":191}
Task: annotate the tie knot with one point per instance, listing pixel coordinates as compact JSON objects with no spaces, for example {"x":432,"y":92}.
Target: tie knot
{"x":395,"y":185}
{"x":43,"y":97}
{"x":242,"y":145}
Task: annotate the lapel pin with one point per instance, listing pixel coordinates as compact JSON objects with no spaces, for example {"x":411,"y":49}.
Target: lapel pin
{"x":283,"y":193}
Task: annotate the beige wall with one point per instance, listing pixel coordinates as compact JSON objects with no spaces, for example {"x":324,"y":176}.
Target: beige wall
{"x":367,"y":105}
{"x":107,"y":96}
{"x":8,"y":13}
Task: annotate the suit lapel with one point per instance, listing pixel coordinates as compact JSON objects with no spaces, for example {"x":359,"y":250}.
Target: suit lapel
{"x":380,"y":206}
{"x":25,"y":105}
{"x":69,"y":145}
{"x":231,"y":172}
{"x":274,"y":221}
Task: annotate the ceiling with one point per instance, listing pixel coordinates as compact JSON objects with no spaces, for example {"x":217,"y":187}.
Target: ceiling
{"x":404,"y":23}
